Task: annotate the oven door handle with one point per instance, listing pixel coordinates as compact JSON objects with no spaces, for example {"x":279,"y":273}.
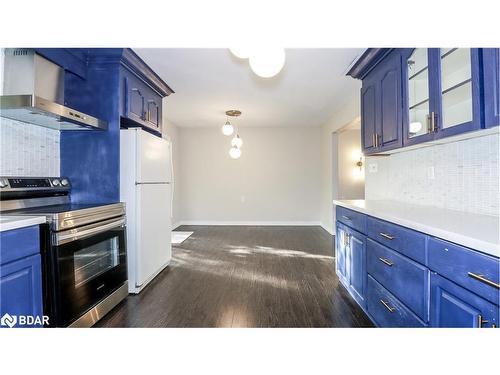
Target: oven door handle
{"x":71,"y":235}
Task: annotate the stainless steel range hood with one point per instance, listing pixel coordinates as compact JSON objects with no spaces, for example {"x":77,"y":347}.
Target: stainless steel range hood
{"x":33,"y":92}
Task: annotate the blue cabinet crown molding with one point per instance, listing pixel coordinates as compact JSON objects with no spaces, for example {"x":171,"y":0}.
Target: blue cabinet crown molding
{"x":130,"y":60}
{"x":367,"y":61}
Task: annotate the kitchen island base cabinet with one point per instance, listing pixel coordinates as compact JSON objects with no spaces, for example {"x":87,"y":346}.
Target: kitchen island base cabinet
{"x":455,"y":307}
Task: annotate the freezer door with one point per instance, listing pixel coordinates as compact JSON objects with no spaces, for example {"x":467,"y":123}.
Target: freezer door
{"x":154,"y":248}
{"x":153,"y":158}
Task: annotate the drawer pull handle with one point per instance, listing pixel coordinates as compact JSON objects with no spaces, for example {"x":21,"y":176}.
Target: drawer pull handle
{"x":346,"y":217}
{"x":481,"y":321}
{"x":483,"y":280}
{"x":388,"y":236}
{"x":386,"y":262}
{"x":386,"y":305}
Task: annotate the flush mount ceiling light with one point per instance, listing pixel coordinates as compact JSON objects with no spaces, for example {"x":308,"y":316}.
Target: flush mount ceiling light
{"x":267,"y":63}
{"x":241,"y":52}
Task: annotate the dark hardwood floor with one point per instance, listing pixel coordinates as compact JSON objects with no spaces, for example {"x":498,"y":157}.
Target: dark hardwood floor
{"x":244,"y":276}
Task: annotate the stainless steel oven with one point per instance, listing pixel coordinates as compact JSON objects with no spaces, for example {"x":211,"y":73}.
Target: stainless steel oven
{"x":84,"y":257}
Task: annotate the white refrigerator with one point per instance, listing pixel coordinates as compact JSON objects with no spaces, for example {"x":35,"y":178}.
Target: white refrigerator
{"x":146,"y":188}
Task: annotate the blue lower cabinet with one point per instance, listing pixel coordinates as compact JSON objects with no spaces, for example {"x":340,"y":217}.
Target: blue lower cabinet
{"x":386,"y":310}
{"x":350,"y":261}
{"x":454,"y":306}
{"x":21,"y":293}
{"x":356,"y":263}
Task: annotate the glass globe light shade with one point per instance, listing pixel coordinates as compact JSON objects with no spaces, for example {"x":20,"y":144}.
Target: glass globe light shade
{"x":237,"y":141}
{"x":240,"y":52}
{"x":227,"y":128}
{"x":415,"y":127}
{"x":235,"y":152}
{"x":267,"y":63}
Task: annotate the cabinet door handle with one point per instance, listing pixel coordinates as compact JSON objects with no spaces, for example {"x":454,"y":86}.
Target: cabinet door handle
{"x":388,"y":236}
{"x":483,"y":279}
{"x":374,"y":141}
{"x":433,"y":122}
{"x":377,"y":138}
{"x":346,"y":218}
{"x":386,"y":262}
{"x":481,"y":321}
{"x":386,"y":305}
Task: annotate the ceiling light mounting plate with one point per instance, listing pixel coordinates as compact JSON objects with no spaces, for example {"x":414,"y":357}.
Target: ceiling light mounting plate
{"x":233,"y":113}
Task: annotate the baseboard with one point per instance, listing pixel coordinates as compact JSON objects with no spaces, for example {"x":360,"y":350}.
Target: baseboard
{"x":328,"y":229}
{"x":251,"y":223}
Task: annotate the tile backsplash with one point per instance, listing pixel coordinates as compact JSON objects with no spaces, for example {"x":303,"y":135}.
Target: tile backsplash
{"x":462,"y":176}
{"x":28,"y":150}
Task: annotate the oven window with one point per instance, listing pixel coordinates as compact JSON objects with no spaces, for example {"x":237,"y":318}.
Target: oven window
{"x":94,"y":260}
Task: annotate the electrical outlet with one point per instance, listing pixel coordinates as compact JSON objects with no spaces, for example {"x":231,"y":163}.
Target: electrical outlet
{"x":373,"y":167}
{"x":430,"y":173}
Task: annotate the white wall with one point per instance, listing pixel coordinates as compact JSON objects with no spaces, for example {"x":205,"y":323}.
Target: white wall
{"x":349,"y":113}
{"x":351,"y":181}
{"x":462,"y":176}
{"x":276,"y":180}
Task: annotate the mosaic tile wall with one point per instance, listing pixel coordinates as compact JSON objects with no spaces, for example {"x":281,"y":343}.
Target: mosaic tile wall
{"x":462,"y":176}
{"x":28,"y":150}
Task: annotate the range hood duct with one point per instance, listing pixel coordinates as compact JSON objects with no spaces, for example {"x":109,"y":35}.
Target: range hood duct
{"x":33,"y":92}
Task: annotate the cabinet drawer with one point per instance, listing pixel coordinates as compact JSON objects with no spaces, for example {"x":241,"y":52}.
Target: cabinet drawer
{"x":386,"y":309}
{"x":406,"y":279}
{"x":351,"y":218}
{"x":19,"y":243}
{"x":403,"y":240}
{"x":474,"y":271}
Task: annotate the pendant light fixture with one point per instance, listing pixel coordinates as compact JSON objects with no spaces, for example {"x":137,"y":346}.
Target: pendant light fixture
{"x":235,"y":152}
{"x":237,"y":141}
{"x":228,"y":129}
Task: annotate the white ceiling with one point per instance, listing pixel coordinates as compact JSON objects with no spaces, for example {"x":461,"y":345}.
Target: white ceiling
{"x":207,"y":82}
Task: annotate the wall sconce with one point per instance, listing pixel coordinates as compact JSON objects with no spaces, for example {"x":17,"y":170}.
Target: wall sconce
{"x":359,"y":163}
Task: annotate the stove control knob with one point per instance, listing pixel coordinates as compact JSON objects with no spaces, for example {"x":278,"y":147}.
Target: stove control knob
{"x":64,"y":182}
{"x":3,"y":183}
{"x":56,"y":182}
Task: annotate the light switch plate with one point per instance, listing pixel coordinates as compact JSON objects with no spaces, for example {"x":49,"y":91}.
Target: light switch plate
{"x":373,"y":167}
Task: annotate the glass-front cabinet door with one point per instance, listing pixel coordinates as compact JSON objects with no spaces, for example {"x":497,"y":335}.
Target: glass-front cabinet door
{"x":418,"y":105}
{"x":441,"y":93}
{"x":458,"y":91}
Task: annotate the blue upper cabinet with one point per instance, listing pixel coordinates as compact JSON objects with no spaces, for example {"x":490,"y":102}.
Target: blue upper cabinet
{"x":441,"y":88}
{"x":142,"y":93}
{"x":415,"y":95}
{"x":381,"y":106}
{"x":491,"y":79}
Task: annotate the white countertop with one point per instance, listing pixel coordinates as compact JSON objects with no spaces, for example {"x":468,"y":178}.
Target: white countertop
{"x":479,"y":232}
{"x":8,"y":222}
